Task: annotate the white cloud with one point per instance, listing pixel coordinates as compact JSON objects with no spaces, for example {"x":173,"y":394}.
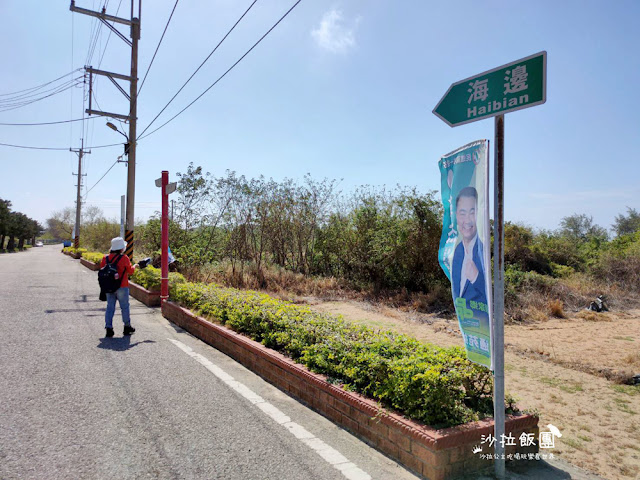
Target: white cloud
{"x":333,"y":34}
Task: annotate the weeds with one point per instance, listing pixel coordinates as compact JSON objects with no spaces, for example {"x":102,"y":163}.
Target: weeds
{"x":572,"y":442}
{"x":623,"y":406}
{"x":627,"y":389}
{"x":564,"y":385}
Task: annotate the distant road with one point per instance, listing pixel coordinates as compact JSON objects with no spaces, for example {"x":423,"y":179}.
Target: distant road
{"x":159,"y":404}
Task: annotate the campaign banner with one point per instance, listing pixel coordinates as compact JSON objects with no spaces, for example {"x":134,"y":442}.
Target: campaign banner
{"x":465,"y":244}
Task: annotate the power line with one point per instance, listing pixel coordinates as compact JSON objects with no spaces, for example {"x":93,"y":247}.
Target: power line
{"x":110,"y":32}
{"x":197,"y":69}
{"x":158,"y":47}
{"x":219,"y":78}
{"x":27,"y":96}
{"x":45,"y":123}
{"x":56,"y":148}
{"x":25,"y":102}
{"x":40,"y":86}
{"x":105,"y":174}
{"x":94,"y":36}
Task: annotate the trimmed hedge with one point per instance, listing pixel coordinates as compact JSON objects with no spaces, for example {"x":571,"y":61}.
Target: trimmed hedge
{"x":74,"y":250}
{"x":94,"y":257}
{"x":150,"y":277}
{"x":436,"y":386}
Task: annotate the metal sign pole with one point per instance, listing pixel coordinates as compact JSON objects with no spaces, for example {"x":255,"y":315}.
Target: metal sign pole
{"x":498,"y":298}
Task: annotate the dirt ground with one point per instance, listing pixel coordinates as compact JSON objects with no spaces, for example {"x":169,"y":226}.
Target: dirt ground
{"x":566,"y":370}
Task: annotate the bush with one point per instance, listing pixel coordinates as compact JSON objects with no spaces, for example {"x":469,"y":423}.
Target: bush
{"x":437,"y":386}
{"x":150,"y":278}
{"x":74,"y":250}
{"x":556,"y":308}
{"x":94,"y":257}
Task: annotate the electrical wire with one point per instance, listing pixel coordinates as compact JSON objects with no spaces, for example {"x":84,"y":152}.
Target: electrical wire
{"x":25,"y":102}
{"x":105,"y":174}
{"x":44,"y":123}
{"x":40,"y":86}
{"x":201,"y":65}
{"x":57,"y":148}
{"x":219,"y":78}
{"x":158,"y":47}
{"x":30,"y":95}
{"x":110,"y":32}
{"x":93,"y":39}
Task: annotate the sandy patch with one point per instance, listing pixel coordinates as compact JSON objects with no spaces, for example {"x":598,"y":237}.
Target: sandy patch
{"x":599,"y":419}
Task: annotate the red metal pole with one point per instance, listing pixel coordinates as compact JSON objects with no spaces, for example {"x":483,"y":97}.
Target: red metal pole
{"x":164,"y":284}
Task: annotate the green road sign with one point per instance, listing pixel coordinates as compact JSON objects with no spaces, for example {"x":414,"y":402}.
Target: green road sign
{"x":519,"y":84}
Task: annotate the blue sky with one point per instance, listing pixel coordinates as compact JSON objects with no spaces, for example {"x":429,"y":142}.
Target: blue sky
{"x":342,"y":90}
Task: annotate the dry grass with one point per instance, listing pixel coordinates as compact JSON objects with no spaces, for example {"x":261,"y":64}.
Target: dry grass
{"x":556,"y":308}
{"x":633,"y":359}
{"x":533,"y":304}
{"x":276,"y":280}
{"x":591,"y":316}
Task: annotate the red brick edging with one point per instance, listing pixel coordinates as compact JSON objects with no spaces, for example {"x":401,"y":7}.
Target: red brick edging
{"x":89,"y":265}
{"x":433,"y":454}
{"x":149,"y":298}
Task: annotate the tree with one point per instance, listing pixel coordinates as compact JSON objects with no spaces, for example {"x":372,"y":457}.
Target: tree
{"x":627,"y":224}
{"x":520,"y":250}
{"x":194,"y":193}
{"x":60,"y":224}
{"x":580,"y":228}
{"x":5,"y":218}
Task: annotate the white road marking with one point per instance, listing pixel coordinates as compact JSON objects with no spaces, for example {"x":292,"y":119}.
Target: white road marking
{"x":330,"y":454}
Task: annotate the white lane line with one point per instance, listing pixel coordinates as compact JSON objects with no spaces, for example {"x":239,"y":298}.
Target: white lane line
{"x":328,"y":453}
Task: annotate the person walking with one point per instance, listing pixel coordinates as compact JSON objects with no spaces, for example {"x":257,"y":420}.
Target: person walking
{"x":122,"y":263}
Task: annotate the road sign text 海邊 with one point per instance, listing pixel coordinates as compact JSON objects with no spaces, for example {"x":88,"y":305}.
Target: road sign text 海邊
{"x":517,"y":85}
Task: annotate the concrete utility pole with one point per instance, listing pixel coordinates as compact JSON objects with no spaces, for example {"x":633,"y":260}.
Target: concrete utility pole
{"x":131,"y":174}
{"x":76,"y":236}
{"x":132,"y":96}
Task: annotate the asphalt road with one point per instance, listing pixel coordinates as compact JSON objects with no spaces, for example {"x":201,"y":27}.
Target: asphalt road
{"x":77,"y":405}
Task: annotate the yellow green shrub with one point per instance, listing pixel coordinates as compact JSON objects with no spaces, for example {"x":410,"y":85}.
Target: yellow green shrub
{"x":437,"y":386}
{"x":94,"y":257}
{"x":150,"y":278}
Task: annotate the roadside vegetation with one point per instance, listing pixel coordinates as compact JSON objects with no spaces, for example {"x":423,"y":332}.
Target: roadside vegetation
{"x":17,"y":231}
{"x":434,"y":385}
{"x":309,"y":239}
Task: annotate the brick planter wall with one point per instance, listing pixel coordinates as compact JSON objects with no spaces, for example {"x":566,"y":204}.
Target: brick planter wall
{"x":149,"y":298}
{"x":433,"y":454}
{"x":90,"y":265}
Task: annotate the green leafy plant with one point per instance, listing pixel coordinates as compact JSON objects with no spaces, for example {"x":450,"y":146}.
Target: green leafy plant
{"x":94,"y":257}
{"x":150,"y":278}
{"x":437,"y":386}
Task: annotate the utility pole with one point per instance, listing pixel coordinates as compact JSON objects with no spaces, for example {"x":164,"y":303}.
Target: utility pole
{"x":132,"y":96}
{"x":131,"y":174}
{"x":76,"y":236}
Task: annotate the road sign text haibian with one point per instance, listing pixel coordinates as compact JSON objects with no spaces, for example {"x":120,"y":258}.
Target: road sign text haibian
{"x":511,"y":87}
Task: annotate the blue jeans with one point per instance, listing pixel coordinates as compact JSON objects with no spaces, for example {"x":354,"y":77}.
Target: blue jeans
{"x":122,"y":295}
